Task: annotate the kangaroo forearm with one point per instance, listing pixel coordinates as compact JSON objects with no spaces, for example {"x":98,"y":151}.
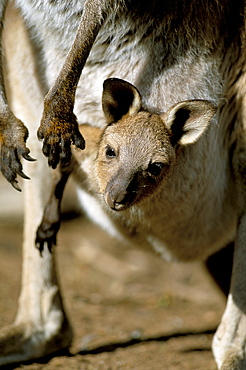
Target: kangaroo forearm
{"x":59,"y":127}
{"x":3,"y":100}
{"x":63,"y":91}
{"x":13,"y":133}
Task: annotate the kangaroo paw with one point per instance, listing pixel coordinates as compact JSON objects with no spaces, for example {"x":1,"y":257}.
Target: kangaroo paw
{"x":46,"y":233}
{"x":50,"y":224}
{"x":229,"y":343}
{"x":22,"y":342}
{"x":234,"y":363}
{"x":13,"y":136}
{"x":58,"y":133}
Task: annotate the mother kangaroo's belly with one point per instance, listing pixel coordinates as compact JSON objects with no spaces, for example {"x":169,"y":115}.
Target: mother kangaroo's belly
{"x":192,"y":242}
{"x":186,"y":234}
{"x":186,"y":239}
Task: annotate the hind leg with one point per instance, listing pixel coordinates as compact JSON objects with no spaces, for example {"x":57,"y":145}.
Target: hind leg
{"x":229,"y":344}
{"x":41,"y":325}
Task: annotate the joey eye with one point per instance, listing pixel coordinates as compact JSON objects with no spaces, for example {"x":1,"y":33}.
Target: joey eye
{"x":110,"y":152}
{"x":155,"y":168}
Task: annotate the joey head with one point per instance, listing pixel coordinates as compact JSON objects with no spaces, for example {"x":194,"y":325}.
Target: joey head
{"x":138,"y":149}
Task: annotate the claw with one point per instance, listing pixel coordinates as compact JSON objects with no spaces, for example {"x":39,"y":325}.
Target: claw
{"x":79,"y":141}
{"x":53,"y":161}
{"x":40,"y":247}
{"x":21,"y":173}
{"x":50,"y":245}
{"x":40,"y":134}
{"x":39,"y":244}
{"x":28,"y":157}
{"x":46,"y":149}
{"x":15,"y":185}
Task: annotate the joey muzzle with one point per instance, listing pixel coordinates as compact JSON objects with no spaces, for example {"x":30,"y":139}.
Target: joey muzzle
{"x":118,"y":203}
{"x":120,"y":194}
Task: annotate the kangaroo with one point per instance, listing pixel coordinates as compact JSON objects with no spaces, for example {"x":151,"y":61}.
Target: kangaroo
{"x":145,"y":171}
{"x":185,"y":57}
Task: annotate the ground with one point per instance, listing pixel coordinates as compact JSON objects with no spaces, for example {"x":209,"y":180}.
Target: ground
{"x":129,"y":308}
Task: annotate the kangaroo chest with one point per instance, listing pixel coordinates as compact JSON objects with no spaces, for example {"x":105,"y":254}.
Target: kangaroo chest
{"x":134,"y":45}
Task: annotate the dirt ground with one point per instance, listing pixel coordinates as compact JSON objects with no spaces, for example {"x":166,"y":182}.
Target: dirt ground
{"x":129,"y":308}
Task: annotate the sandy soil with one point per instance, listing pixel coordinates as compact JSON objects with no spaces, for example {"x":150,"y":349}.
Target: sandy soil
{"x":129,"y":308}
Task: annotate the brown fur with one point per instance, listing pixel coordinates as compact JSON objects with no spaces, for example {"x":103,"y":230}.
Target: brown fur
{"x":173,"y":52}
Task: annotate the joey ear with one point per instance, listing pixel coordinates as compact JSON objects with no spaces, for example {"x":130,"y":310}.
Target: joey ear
{"x":187,"y":120}
{"x":119,"y":98}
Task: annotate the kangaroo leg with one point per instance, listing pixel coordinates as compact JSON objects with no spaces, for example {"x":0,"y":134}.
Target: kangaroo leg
{"x":41,"y":325}
{"x":48,"y":229}
{"x":229,"y":344}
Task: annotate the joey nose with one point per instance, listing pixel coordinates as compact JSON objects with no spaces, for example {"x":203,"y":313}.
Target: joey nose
{"x":119,"y":193}
{"x":115,"y":201}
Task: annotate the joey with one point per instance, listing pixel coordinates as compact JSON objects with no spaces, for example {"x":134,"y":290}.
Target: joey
{"x":138,"y":149}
